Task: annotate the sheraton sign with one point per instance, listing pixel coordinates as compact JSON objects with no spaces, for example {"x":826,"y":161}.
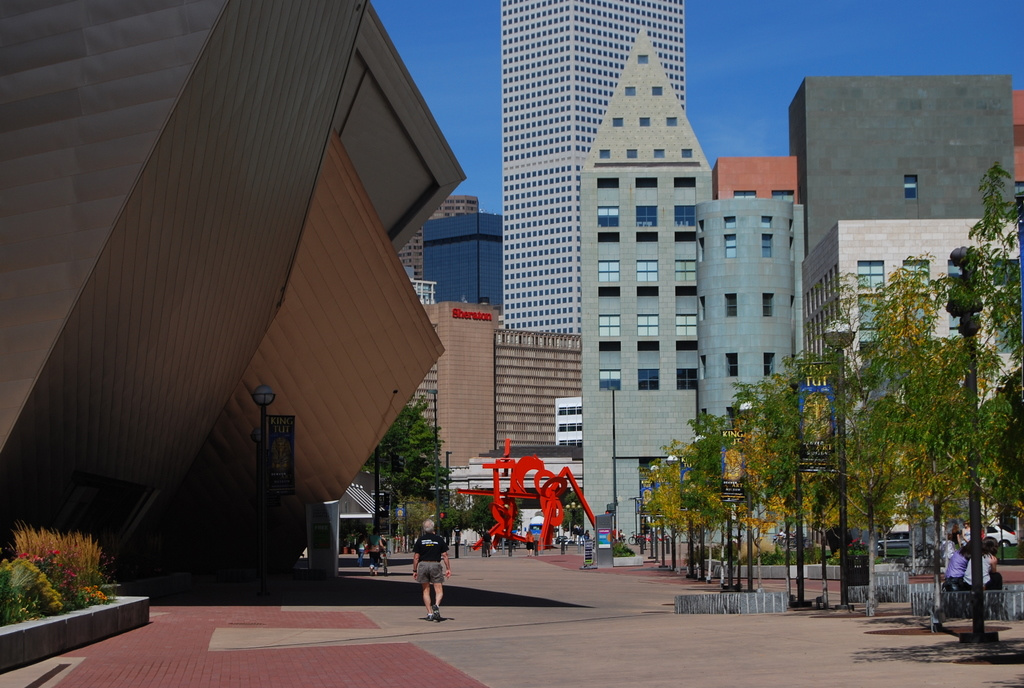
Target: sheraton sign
{"x":470,"y":315}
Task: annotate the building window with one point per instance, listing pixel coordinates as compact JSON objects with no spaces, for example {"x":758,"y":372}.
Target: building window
{"x":671,"y":121}
{"x":766,"y":245}
{"x":783,"y":194}
{"x":647,"y":325}
{"x":686,"y":378}
{"x":608,"y":216}
{"x":686,"y":324}
{"x":686,"y":215}
{"x":570,"y":427}
{"x":610,"y":379}
{"x":631,"y":152}
{"x":866,"y":311}
{"x":769,"y":363}
{"x":605,"y":154}
{"x":607,"y":182}
{"x":744,"y":194}
{"x":731,"y":307}
{"x":645,"y":121}
{"x":910,"y":186}
{"x":870,"y":274}
{"x":608,"y":271}
{"x":616,"y":121}
{"x":647,"y":379}
{"x":687,"y":152}
{"x":686,"y":270}
{"x":767,"y":305}
{"x":642,"y":59}
{"x":701,"y":312}
{"x":730,"y":245}
{"x":647,"y":216}
{"x":656,"y":90}
{"x":730,"y":221}
{"x":920,"y":267}
{"x":732,"y":365}
{"x":1018,"y":188}
{"x":659,"y":152}
{"x":631,"y":90}
{"x":609,"y":325}
{"x":646,"y":271}
{"x":766,"y":221}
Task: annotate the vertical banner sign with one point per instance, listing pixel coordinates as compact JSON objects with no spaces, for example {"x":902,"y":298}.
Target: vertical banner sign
{"x":1020,"y":259}
{"x":684,"y":468}
{"x":732,"y":471}
{"x":817,"y":424}
{"x":281,"y":434}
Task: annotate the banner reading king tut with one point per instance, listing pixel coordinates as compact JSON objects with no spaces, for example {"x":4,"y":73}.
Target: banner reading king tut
{"x":281,"y":434}
{"x":817,"y":424}
{"x":732,"y":473}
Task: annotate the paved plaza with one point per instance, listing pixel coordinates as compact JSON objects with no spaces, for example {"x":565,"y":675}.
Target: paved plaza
{"x":517,"y":623}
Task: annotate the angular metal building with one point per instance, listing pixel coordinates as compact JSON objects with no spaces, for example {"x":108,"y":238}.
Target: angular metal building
{"x":196,"y":198}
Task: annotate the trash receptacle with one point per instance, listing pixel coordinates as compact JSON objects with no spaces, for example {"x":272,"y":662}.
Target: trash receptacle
{"x":856,"y":569}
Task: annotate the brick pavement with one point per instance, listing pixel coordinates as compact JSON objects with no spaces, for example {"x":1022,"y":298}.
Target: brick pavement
{"x":514,"y":623}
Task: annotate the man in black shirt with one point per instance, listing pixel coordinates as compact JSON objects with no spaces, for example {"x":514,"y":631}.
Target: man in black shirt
{"x":430,"y":565}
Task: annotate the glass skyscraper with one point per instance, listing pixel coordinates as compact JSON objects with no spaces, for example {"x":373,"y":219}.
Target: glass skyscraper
{"x":561,"y":61}
{"x":463,"y":255}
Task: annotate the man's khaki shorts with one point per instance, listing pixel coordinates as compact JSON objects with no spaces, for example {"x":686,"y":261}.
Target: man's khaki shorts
{"x":430,"y":572}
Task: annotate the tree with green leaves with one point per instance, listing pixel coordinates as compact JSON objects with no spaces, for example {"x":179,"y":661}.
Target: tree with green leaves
{"x":407,"y":455}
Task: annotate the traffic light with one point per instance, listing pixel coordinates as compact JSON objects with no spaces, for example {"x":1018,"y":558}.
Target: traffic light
{"x":442,"y":515}
{"x":963,"y":301}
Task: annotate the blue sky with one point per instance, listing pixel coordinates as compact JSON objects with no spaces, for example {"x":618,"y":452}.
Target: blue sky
{"x":746,"y":59}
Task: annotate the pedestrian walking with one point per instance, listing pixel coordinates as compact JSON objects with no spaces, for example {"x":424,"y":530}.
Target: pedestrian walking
{"x":431,"y":567}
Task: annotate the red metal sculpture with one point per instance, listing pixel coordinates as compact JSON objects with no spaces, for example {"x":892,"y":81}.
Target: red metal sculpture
{"x":549,"y":490}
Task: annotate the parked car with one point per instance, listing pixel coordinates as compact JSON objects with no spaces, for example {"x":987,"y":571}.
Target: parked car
{"x":1006,"y":538}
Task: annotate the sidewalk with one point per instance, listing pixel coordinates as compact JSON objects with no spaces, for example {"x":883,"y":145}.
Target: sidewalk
{"x":514,"y":622}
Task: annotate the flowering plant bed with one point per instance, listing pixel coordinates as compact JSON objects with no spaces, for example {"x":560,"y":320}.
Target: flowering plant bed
{"x":31,"y":641}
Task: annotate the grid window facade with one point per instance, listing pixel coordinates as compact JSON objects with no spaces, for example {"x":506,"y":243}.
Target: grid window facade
{"x":610,"y":379}
{"x":732,"y":365}
{"x":686,"y":215}
{"x":647,"y":216}
{"x":647,"y":325}
{"x":608,"y":216}
{"x":686,"y":270}
{"x":686,"y":324}
{"x":647,"y":379}
{"x":609,"y":325}
{"x":870,"y":274}
{"x":608,"y":271}
{"x":686,"y":378}
{"x":730,"y":245}
{"x":647,"y":271}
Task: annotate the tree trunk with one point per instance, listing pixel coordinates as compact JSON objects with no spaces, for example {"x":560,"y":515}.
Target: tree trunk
{"x":937,"y":535}
{"x":872,"y":603}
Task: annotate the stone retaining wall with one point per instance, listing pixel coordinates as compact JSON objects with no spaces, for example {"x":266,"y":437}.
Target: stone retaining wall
{"x":890,"y":586}
{"x":1000,"y":605}
{"x":733,"y":603}
{"x":31,"y":641}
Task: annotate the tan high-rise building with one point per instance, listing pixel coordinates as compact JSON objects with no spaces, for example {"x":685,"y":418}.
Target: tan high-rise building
{"x":411,"y":254}
{"x":494,"y":383}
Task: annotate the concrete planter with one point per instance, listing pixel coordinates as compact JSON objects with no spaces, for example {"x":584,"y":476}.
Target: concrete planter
{"x":627,"y":561}
{"x":31,"y":641}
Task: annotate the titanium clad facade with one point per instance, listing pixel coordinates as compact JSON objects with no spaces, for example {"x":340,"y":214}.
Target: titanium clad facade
{"x":182,"y":222}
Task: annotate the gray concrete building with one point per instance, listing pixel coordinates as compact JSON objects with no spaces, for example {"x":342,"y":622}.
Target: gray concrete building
{"x":640,"y":189}
{"x":897,"y":147}
{"x":749,"y":294}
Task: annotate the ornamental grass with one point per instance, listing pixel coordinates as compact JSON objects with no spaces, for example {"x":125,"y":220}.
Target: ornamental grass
{"x":51,"y":573}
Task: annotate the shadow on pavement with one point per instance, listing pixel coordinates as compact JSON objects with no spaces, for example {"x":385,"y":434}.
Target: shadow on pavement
{"x":351,"y":589}
{"x":1004,"y":652}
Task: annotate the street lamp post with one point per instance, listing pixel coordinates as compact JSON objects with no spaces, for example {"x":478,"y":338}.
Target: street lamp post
{"x":615,"y":481}
{"x":840,"y":340}
{"x":263,"y":396}
{"x":437,"y":467}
